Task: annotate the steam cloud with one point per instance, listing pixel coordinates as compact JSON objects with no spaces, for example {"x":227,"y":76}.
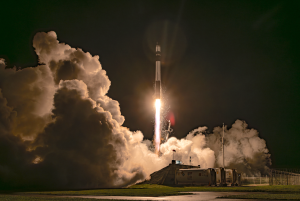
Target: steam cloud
{"x":59,"y":129}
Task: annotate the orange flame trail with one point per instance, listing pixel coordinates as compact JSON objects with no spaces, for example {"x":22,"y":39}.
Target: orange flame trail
{"x":157,"y":125}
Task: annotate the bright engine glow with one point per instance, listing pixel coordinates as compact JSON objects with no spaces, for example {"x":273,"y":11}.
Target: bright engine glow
{"x":157,"y":125}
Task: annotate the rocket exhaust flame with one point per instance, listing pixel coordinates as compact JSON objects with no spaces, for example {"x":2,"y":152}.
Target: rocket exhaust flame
{"x":157,"y":135}
{"x":157,"y":125}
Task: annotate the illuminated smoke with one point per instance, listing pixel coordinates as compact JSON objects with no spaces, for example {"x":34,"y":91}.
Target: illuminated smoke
{"x":244,"y":149}
{"x":59,"y":129}
{"x":157,"y":136}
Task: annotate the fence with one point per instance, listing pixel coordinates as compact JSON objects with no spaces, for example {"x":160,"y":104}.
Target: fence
{"x":278,"y":177}
{"x":263,"y":180}
{"x":275,"y":177}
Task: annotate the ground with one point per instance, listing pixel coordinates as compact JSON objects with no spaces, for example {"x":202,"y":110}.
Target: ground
{"x":266,"y":192}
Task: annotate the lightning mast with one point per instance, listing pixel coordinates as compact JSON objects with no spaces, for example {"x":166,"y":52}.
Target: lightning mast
{"x":223,"y":146}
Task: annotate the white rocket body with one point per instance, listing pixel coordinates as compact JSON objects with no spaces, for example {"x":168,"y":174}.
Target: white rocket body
{"x":157,"y":74}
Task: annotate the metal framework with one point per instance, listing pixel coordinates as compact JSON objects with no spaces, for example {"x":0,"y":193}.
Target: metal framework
{"x":278,"y":177}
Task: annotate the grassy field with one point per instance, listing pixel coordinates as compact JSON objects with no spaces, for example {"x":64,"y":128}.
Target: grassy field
{"x":151,"y":190}
{"x":35,"y":198}
{"x":160,"y":190}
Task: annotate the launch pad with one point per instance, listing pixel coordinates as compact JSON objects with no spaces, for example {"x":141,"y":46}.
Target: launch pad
{"x":177,"y":174}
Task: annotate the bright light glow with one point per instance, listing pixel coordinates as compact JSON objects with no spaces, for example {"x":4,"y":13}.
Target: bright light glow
{"x":157,"y":125}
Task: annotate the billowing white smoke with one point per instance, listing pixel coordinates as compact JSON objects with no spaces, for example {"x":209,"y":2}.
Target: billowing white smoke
{"x":244,"y":150}
{"x":194,"y":145}
{"x":59,"y":129}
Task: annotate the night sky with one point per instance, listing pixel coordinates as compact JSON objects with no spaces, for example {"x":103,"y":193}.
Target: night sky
{"x":221,"y":60}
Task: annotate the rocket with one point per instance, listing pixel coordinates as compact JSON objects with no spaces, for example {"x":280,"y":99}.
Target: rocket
{"x":157,"y":73}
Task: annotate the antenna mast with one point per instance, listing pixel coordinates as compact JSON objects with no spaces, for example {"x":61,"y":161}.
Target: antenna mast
{"x":223,"y":146}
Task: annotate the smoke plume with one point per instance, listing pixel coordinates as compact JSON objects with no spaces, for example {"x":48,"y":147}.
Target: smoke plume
{"x":59,"y":129}
{"x":244,"y":150}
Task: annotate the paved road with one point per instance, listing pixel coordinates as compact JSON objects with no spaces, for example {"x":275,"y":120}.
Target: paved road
{"x":197,"y":196}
